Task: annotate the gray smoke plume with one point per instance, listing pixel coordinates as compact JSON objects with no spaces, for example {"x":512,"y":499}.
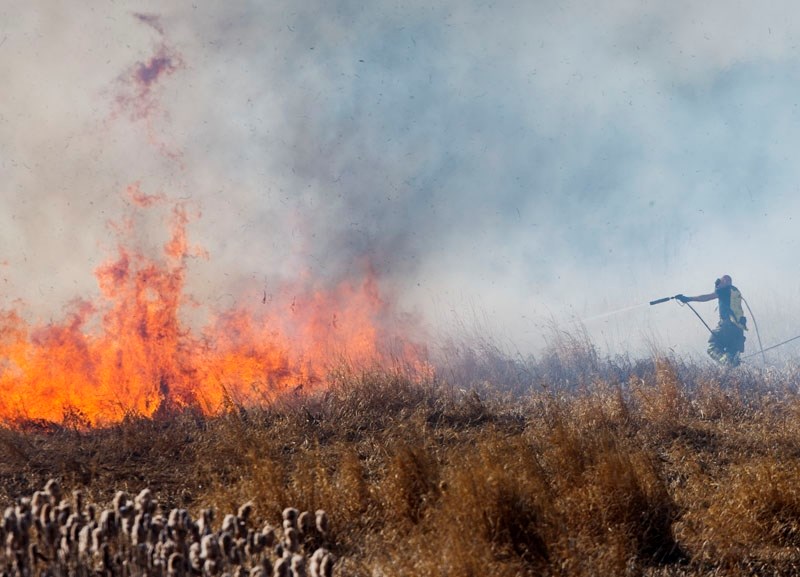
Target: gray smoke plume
{"x":518,"y":163}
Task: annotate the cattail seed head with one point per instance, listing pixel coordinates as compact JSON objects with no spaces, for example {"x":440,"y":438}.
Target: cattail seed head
{"x":119,"y":502}
{"x":211,"y":567}
{"x":209,"y":548}
{"x":304,"y":523}
{"x":229,"y":524}
{"x":245,"y":511}
{"x":139,"y":529}
{"x":175,"y":564}
{"x":97,"y":539}
{"x":45,"y":512}
{"x":267,"y":535}
{"x":321,"y":518}
{"x":195,"y":559}
{"x":77,"y":500}
{"x":143,"y":500}
{"x":63,"y":511}
{"x":298,"y":566}
{"x":53,"y":489}
{"x":39,"y":499}
{"x":282,"y":567}
{"x":204,"y":522}
{"x":226,"y":543}
{"x":291,"y":540}
{"x":85,"y":539}
{"x":290,"y":514}
{"x":108,"y":522}
{"x":326,"y":566}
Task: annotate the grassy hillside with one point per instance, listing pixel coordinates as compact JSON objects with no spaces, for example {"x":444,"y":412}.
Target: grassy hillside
{"x":595,"y":467}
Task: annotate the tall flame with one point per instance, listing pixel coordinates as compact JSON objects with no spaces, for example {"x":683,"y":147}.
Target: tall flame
{"x":130,"y":352}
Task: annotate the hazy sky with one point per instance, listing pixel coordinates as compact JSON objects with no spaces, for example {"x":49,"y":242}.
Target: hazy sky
{"x":515,"y":164}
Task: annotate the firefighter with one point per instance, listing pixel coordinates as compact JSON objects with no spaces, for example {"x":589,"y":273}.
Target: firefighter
{"x":726,"y":342}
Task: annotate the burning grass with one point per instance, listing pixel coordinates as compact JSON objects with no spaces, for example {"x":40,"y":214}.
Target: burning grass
{"x":655,"y":467}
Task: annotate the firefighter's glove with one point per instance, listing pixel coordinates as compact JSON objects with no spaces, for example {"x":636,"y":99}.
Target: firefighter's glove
{"x":682,"y":298}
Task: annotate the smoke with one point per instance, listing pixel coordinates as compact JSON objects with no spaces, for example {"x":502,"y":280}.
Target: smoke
{"x":519,"y":163}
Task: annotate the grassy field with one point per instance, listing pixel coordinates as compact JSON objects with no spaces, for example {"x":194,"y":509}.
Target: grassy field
{"x":572,"y":465}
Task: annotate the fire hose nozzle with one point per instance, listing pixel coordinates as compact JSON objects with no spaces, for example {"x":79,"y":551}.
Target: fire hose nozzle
{"x":659,"y":301}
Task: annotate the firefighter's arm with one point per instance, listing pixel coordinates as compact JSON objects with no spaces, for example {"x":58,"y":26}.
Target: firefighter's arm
{"x":698,"y":299}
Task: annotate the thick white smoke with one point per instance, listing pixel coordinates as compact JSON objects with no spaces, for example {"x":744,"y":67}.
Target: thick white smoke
{"x":517,"y":163}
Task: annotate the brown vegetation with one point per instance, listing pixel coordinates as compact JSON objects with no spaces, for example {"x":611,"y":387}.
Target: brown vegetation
{"x":654,"y":467}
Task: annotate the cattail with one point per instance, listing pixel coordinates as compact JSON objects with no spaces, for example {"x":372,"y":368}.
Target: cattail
{"x":45,"y":512}
{"x":175,"y":565}
{"x":178,"y":523}
{"x":156,"y":528}
{"x":322,"y":522}
{"x":240,"y":550}
{"x":298,"y":566}
{"x":166,"y":548}
{"x":11,"y":545}
{"x":209,"y":547}
{"x":85,"y":539}
{"x":97,"y":539}
{"x":251,"y":544}
{"x":39,"y":499}
{"x":290,"y":518}
{"x":304,"y":523}
{"x":120,"y":504}
{"x":211,"y":567}
{"x":107,"y":562}
{"x":204,"y":522}
{"x":316,"y":561}
{"x":63,"y":511}
{"x":51,"y":533}
{"x":326,"y":566}
{"x":291,"y":540}
{"x":282,"y":567}
{"x":108,"y":522}
{"x":143,"y":501}
{"x":267,"y":535}
{"x":139,"y":529}
{"x":74,"y":528}
{"x":226,"y":544}
{"x":24,"y":515}
{"x":72,"y":520}
{"x":10,"y":520}
{"x":229,"y":524}
{"x":65,"y":548}
{"x":77,"y":500}
{"x":245,"y":511}
{"x":195,"y":559}
{"x":53,"y":489}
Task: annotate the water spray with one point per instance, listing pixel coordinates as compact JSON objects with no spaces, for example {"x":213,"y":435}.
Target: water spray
{"x":610,"y":313}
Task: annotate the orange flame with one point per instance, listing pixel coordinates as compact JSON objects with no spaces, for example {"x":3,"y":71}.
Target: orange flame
{"x":130,"y":352}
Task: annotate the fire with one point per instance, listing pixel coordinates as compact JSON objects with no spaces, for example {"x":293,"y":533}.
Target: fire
{"x":130,"y":352}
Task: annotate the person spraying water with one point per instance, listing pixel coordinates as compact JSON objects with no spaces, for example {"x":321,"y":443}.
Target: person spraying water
{"x":726,"y":343}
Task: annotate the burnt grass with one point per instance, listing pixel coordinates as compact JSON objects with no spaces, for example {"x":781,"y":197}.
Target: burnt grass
{"x":654,"y":467}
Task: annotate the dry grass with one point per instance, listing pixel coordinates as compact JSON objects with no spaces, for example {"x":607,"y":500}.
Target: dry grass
{"x":653,"y":467}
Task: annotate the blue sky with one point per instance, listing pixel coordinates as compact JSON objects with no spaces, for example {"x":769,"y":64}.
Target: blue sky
{"x":522,"y":162}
